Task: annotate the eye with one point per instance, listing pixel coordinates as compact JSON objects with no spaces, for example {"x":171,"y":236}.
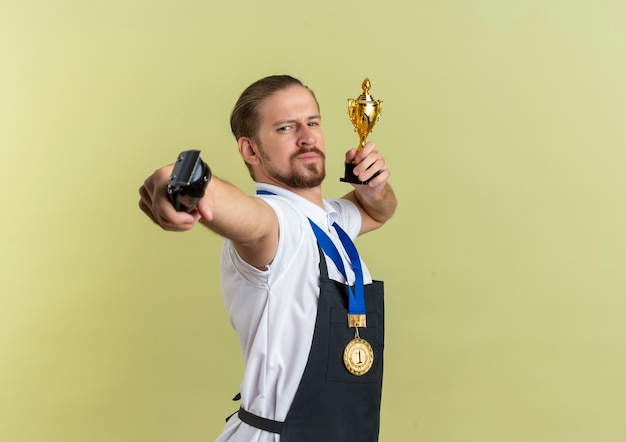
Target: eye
{"x":284,"y":128}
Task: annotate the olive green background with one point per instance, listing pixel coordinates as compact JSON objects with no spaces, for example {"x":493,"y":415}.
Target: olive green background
{"x":503,"y":126}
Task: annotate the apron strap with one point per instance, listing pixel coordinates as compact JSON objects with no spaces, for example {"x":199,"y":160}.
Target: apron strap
{"x":323,"y":266}
{"x":260,"y":422}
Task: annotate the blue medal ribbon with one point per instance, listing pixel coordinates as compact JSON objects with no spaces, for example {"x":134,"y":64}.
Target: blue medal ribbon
{"x":356,"y":299}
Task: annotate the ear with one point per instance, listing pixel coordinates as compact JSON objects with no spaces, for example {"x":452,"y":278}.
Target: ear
{"x":248,"y":151}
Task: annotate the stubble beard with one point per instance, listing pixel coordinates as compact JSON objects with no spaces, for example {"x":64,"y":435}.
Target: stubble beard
{"x":312,"y":176}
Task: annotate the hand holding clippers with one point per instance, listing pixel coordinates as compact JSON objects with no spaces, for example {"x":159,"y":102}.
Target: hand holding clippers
{"x":188,"y":181}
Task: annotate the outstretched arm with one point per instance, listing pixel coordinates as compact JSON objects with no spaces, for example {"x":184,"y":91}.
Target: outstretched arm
{"x":375,"y":200}
{"x":248,"y":221}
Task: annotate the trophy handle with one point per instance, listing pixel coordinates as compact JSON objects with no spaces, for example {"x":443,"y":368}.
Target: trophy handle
{"x":352,"y":111}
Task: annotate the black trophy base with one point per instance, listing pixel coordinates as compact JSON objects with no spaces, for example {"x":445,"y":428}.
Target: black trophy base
{"x":350,"y":177}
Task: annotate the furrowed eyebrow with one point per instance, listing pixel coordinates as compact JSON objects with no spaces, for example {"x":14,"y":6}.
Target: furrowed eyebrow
{"x":284,"y":123}
{"x":292,"y":121}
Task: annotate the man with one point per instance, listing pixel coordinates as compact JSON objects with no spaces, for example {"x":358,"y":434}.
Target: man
{"x":288,"y":301}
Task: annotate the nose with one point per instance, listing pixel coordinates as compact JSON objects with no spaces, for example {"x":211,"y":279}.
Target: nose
{"x":306,"y":136}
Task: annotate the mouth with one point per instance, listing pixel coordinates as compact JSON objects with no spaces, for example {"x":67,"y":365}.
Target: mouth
{"x":309,"y":155}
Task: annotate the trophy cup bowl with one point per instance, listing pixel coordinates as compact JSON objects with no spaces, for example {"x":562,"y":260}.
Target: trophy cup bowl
{"x":364,"y":113}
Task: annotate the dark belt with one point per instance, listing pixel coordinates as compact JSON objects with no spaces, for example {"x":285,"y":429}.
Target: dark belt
{"x":260,"y":422}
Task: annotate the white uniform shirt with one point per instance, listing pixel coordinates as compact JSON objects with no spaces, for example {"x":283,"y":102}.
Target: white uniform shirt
{"x":274,"y":310}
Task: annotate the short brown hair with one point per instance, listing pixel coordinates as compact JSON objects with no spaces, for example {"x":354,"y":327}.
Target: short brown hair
{"x":245,"y":118}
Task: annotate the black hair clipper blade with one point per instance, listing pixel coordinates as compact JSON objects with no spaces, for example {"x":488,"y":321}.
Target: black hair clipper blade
{"x":188,"y":181}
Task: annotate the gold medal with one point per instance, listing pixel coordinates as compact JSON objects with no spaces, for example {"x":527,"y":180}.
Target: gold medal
{"x":358,"y":356}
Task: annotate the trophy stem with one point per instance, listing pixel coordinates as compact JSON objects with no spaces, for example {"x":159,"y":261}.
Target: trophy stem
{"x":362,"y":142}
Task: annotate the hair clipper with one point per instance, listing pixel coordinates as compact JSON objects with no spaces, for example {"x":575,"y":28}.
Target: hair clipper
{"x":188,"y":181}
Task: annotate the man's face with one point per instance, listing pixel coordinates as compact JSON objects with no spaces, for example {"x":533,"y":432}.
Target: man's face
{"x":290,"y":140}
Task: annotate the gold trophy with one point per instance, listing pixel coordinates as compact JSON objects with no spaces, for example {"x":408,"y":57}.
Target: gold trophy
{"x":364,"y":112}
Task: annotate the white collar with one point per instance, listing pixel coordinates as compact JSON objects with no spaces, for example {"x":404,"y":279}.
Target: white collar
{"x":323,"y":217}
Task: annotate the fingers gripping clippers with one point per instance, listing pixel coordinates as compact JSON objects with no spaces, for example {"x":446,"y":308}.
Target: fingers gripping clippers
{"x":188,"y":181}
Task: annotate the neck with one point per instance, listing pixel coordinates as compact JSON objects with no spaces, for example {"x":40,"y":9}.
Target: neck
{"x":312,"y":194}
